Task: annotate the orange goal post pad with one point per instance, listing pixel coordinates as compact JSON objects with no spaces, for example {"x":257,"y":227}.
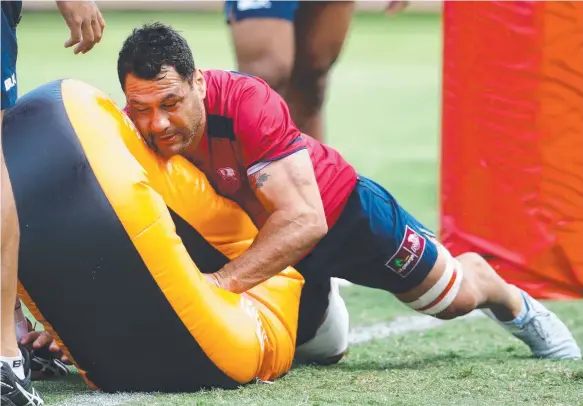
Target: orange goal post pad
{"x":512,"y":140}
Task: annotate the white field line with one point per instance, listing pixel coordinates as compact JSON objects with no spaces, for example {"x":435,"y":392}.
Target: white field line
{"x":357,"y":335}
{"x":400,"y":325}
{"x":106,"y":399}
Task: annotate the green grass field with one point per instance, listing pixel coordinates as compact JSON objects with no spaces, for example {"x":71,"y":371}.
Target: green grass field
{"x":383,"y":114}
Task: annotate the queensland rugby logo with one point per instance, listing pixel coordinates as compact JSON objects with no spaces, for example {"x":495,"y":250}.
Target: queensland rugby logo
{"x":408,"y":254}
{"x":413,"y":239}
{"x":228,"y":174}
{"x":230,"y":180}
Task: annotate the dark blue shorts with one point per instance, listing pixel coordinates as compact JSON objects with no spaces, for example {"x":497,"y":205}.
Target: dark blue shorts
{"x":375,"y":243}
{"x":10,"y":18}
{"x":236,"y":10}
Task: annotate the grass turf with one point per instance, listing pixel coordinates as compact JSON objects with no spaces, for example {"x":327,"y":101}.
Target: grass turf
{"x":465,"y":362}
{"x":383,"y":114}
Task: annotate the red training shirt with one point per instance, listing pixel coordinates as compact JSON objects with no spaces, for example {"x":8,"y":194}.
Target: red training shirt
{"x":249,"y":126}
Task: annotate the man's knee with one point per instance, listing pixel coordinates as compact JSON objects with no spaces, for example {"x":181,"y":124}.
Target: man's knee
{"x":315,"y":61}
{"x":330,"y":343}
{"x":311,"y":85}
{"x":321,"y":30}
{"x":459,"y":288}
{"x":478,"y":278}
{"x":475,"y":263}
{"x":310,"y":78}
{"x":466,"y":301}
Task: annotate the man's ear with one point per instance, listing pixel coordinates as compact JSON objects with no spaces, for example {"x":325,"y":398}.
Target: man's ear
{"x":199,"y":83}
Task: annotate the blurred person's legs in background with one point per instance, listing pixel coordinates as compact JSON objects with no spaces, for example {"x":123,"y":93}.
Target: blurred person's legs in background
{"x":292,"y":46}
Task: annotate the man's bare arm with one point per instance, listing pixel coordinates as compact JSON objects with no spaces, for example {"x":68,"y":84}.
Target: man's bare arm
{"x":288,"y":190}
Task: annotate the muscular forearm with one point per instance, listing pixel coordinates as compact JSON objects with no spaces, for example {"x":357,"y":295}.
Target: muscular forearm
{"x":281,"y":242}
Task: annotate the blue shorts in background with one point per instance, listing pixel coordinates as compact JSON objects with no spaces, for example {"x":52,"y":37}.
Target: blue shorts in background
{"x":374,"y":243}
{"x":241,"y":9}
{"x":9,"y":50}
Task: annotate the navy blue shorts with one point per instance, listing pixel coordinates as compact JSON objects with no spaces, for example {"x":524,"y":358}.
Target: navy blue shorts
{"x":10,"y":19}
{"x":375,"y":243}
{"x":236,"y":10}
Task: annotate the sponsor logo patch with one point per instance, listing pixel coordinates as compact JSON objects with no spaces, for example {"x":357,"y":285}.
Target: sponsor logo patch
{"x":10,"y":82}
{"x":408,"y":254}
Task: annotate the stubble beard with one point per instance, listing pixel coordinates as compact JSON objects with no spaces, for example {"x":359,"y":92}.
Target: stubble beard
{"x":192,"y":135}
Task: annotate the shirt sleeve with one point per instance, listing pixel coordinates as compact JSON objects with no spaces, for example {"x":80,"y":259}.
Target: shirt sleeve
{"x":263,"y":126}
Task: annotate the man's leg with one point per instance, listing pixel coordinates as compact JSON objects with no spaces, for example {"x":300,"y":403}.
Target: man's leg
{"x":323,"y":324}
{"x":9,"y":262}
{"x":320,"y":31}
{"x":396,"y":253}
{"x":15,"y":364}
{"x":262,"y":34}
{"x":16,"y":386}
{"x":480,"y":287}
{"x":10,"y":233}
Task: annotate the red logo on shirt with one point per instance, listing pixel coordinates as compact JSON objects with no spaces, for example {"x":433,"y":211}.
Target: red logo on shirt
{"x":230,"y":183}
{"x":408,"y":254}
{"x":228,"y":174}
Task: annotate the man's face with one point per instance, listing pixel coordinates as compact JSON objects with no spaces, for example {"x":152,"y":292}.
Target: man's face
{"x":168,"y":110}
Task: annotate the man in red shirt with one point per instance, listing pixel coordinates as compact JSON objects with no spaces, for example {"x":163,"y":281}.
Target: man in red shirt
{"x":311,"y":208}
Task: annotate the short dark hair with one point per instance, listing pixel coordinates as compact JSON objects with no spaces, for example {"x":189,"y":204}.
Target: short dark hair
{"x":150,"y":47}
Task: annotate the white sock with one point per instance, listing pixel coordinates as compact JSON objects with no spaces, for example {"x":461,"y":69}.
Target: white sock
{"x":519,"y":320}
{"x":16,"y":363}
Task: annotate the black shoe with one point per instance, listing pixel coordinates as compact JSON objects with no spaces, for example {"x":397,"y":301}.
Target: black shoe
{"x":45,"y":366}
{"x":17,"y":392}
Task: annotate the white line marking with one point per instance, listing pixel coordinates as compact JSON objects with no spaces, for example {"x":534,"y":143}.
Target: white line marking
{"x":106,"y":399}
{"x":400,"y":325}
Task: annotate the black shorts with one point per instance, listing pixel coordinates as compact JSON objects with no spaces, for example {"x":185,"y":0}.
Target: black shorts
{"x":313,"y":305}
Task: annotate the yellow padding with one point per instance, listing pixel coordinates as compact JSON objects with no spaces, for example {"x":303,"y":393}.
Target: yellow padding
{"x":246,"y":336}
